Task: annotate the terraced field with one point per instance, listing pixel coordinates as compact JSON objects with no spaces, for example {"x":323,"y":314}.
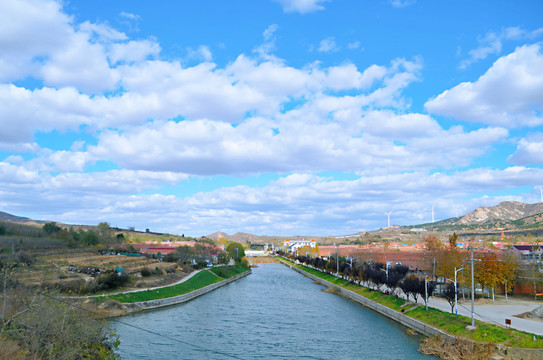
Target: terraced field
{"x":56,"y":268}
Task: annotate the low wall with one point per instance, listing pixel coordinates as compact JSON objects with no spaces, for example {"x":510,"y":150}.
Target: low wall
{"x":411,"y":323}
{"x":154,"y":304}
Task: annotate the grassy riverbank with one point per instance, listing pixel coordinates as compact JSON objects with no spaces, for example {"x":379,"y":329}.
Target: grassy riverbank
{"x":449,"y":323}
{"x":200,"y":280}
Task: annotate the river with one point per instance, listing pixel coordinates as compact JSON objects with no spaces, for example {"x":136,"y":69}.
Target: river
{"x":274,"y":313}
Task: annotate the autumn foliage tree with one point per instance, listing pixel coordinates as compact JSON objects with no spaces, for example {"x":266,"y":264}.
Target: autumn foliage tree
{"x":488,"y":271}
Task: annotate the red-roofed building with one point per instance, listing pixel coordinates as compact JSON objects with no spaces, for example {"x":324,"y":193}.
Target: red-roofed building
{"x":158,"y":250}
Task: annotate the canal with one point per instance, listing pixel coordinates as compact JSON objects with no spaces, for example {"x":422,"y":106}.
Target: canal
{"x":274,"y":313}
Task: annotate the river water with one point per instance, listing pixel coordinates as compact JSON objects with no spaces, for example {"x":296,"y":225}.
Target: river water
{"x":274,"y":313}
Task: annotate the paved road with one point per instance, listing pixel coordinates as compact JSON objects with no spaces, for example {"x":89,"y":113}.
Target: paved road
{"x":493,"y":312}
{"x":497,"y":312}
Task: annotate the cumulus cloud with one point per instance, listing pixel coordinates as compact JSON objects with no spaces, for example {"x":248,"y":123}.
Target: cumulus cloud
{"x":30,"y":30}
{"x":163,"y":122}
{"x":529,"y":150}
{"x":328,"y":45}
{"x":204,"y":147}
{"x":135,"y":51}
{"x":265,"y":50}
{"x":301,"y":6}
{"x":491,"y":43}
{"x":202,"y":53}
{"x":509,"y":94}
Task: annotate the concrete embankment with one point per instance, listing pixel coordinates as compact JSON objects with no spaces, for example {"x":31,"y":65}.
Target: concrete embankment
{"x":414,"y":324}
{"x":418,"y":326}
{"x":154,"y":304}
{"x":114,"y":308}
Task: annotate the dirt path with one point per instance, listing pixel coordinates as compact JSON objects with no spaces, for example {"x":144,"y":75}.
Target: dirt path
{"x":138,"y":290}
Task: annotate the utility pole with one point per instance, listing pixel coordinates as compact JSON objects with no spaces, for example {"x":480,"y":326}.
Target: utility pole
{"x":426,"y":291}
{"x":472,"y":290}
{"x":337,"y":261}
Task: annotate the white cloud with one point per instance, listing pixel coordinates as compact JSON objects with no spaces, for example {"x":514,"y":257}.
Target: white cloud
{"x":301,"y":6}
{"x":101,"y":32}
{"x":30,"y":31}
{"x":65,"y":161}
{"x":130,"y":20}
{"x":202,"y":53}
{"x":509,"y":94}
{"x":80,"y":64}
{"x":265,"y":50}
{"x":298,"y":201}
{"x":328,"y":45}
{"x":162,"y":122}
{"x":134,"y":51}
{"x":353,"y":45}
{"x":402,"y":3}
{"x":529,"y":150}
{"x":304,"y":140}
{"x":491,"y":43}
{"x":41,"y":109}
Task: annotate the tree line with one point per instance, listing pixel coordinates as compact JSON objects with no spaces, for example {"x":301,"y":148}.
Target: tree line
{"x":373,"y":275}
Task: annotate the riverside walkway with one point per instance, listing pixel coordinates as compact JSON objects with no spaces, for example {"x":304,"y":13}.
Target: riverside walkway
{"x":496,"y":312}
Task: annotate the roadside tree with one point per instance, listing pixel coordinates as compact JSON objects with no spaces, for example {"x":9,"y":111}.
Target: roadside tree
{"x":448,"y":294}
{"x":235,"y":250}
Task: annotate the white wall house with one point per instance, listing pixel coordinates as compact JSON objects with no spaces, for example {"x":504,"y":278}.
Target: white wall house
{"x":294,"y":245}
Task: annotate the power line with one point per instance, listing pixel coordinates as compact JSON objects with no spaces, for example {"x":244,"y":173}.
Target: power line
{"x":197,"y":347}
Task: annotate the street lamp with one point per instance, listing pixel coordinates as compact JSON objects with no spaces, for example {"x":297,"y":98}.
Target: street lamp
{"x":386,"y":271}
{"x":456,"y":289}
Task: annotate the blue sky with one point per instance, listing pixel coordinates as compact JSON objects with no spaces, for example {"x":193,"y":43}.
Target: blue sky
{"x":274,"y":117}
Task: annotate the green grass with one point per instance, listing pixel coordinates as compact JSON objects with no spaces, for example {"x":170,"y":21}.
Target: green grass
{"x":228,"y":271}
{"x":447,"y":322}
{"x":484,"y":332}
{"x":203,"y":278}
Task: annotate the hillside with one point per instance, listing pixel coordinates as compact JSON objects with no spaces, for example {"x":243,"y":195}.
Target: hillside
{"x":506,"y":216}
{"x":505,"y":211}
{"x":8,"y":217}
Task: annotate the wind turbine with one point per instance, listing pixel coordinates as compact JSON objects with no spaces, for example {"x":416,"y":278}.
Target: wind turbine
{"x":388,"y":214}
{"x":433,"y":212}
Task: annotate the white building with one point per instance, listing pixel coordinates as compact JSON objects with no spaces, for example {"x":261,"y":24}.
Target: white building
{"x":294,"y":245}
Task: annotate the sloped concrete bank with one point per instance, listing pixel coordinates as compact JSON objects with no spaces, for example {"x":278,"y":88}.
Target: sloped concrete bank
{"x":418,"y":326}
{"x":414,"y":324}
{"x":154,"y":304}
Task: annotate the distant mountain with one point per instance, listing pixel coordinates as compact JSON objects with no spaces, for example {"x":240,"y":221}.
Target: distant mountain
{"x":240,"y":237}
{"x":508,"y":215}
{"x":505,"y":211}
{"x":8,"y":217}
{"x":259,"y":239}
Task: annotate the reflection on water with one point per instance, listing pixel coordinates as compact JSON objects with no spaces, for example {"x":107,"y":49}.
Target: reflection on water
{"x":274,"y":313}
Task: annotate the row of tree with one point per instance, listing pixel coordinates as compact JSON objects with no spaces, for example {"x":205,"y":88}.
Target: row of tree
{"x":375,"y":276}
{"x":202,"y":254}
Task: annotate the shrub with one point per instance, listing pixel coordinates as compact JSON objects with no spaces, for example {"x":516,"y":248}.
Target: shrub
{"x":111,"y":281}
{"x":145,"y":272}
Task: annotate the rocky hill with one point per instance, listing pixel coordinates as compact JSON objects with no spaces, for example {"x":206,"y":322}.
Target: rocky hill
{"x":505,"y":211}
